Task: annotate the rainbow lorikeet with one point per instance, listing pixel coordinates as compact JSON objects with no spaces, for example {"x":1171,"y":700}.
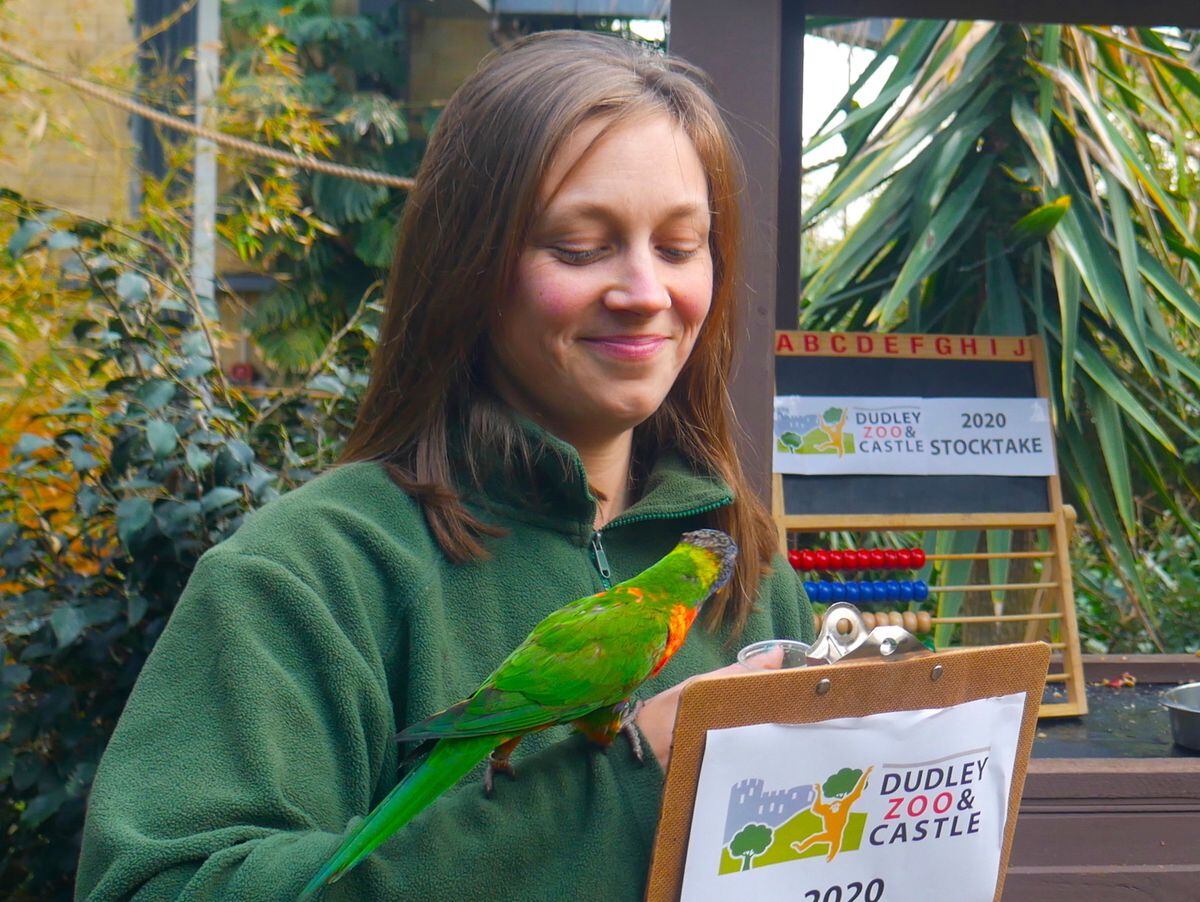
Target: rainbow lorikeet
{"x":579,"y":665}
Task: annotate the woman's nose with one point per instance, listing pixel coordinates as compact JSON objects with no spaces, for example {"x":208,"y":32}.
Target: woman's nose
{"x":639,"y":287}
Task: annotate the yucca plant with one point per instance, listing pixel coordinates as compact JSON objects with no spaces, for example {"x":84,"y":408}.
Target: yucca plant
{"x":1038,"y":180}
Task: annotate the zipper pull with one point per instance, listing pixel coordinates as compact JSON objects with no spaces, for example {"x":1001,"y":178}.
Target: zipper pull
{"x":601,"y":560}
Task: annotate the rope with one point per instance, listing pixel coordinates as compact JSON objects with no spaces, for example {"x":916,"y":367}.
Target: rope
{"x":303,"y":161}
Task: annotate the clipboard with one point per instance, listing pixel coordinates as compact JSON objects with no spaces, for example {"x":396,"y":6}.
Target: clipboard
{"x":849,"y":688}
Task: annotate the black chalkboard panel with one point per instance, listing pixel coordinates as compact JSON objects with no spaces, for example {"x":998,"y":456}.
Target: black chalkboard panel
{"x":918,"y":377}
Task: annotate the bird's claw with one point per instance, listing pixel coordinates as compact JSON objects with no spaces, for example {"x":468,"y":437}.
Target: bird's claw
{"x":629,"y":729}
{"x":495,"y":766}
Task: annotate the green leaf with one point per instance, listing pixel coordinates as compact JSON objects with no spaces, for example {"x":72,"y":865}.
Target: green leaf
{"x":196,"y":366}
{"x":155,"y":394}
{"x":28,"y":444}
{"x":26,"y":770}
{"x":1003,"y":309}
{"x":197,"y":458}
{"x":952,"y":573}
{"x":135,"y":608}
{"x":132,"y":516}
{"x":161,"y":437}
{"x":132,"y":287}
{"x":67,"y":623}
{"x":341,"y":200}
{"x":41,"y":807}
{"x":1168,"y":286}
{"x":218,"y":498}
{"x":60,"y":241}
{"x":195,"y":344}
{"x":1040,"y":221}
{"x":1109,"y":430}
{"x":24,"y":236}
{"x":1100,"y":370}
{"x":1066,"y":277}
{"x":1037,"y":136}
{"x":944,"y":225}
{"x":1127,"y":250}
{"x":82,"y":461}
{"x":16,"y":674}
{"x":327,"y":383}
{"x":376,"y":241}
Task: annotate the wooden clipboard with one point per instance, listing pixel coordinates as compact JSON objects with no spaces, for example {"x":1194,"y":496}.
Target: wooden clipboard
{"x":854,"y":689}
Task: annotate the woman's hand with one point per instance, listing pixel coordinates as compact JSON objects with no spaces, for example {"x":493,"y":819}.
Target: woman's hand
{"x":656,"y":717}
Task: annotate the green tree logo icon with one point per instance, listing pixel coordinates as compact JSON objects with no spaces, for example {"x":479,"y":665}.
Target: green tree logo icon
{"x":751,"y":840}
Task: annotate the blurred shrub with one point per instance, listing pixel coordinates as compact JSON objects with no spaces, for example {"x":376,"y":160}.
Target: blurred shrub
{"x":109,"y":499}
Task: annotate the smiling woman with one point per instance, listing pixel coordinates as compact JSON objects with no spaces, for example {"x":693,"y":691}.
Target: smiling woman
{"x":611,"y":291}
{"x":547,"y":414}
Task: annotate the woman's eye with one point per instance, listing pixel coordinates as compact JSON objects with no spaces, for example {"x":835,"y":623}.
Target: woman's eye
{"x":679,"y":254}
{"x":568,"y":255}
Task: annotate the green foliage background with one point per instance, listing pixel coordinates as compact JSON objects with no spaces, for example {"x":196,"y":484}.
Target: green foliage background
{"x":1042,"y":179}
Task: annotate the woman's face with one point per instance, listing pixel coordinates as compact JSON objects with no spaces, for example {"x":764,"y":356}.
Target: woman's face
{"x":614,"y":283}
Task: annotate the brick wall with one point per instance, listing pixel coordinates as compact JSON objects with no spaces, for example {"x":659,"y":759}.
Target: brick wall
{"x":84,"y":158}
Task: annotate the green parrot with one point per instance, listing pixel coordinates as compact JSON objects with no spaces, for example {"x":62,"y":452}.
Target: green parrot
{"x":579,"y":665}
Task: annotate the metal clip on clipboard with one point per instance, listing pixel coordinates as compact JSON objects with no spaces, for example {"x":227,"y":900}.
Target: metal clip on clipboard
{"x":857,"y":642}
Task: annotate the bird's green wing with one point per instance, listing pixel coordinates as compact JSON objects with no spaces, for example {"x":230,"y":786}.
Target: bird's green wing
{"x":586,"y":655}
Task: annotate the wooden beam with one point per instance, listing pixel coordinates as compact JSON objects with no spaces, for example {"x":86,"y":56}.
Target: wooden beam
{"x":1087,"y":12}
{"x":741,"y":52}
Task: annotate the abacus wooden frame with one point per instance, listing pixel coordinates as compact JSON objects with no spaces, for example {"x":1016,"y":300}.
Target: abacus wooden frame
{"x":1058,"y":522}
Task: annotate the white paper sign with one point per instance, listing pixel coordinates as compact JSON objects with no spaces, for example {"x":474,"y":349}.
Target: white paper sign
{"x":907,"y":806}
{"x":825,"y":435}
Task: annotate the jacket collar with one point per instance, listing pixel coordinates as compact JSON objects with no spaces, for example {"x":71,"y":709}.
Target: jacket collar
{"x":555,"y":492}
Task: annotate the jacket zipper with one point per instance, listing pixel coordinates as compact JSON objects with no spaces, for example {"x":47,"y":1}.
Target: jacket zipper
{"x":600,"y":559}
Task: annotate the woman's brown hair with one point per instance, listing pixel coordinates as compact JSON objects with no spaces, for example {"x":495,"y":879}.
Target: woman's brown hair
{"x":462,"y":231}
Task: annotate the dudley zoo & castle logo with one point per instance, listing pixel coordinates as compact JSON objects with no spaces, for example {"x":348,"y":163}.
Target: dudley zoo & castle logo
{"x":930,"y":801}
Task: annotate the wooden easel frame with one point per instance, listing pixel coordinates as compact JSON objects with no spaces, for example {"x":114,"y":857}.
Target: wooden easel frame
{"x":855,"y":689}
{"x":1055,"y":600}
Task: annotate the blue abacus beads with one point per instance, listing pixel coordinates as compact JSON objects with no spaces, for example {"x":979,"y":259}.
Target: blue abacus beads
{"x":866,"y":591}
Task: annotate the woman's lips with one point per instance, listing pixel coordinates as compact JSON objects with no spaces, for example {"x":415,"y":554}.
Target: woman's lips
{"x":628,"y":347}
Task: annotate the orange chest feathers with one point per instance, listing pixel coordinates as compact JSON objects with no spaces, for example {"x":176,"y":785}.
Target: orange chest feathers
{"x":677,"y":630}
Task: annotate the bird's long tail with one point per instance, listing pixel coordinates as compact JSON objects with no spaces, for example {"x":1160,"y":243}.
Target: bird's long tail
{"x":448,"y":762}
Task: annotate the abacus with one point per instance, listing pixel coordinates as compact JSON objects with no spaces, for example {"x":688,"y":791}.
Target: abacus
{"x":929,"y":552}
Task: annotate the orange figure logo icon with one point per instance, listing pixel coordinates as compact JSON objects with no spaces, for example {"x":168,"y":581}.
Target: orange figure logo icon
{"x":834,"y":814}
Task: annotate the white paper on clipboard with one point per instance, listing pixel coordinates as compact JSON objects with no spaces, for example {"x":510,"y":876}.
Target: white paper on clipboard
{"x":891,"y":807}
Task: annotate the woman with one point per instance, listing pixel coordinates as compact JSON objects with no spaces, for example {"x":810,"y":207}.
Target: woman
{"x":547,"y":414}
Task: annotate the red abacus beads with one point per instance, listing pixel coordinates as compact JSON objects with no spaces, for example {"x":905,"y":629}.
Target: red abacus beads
{"x":857,"y":559}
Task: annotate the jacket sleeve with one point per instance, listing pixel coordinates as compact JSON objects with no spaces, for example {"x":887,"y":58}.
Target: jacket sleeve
{"x":262,"y":725}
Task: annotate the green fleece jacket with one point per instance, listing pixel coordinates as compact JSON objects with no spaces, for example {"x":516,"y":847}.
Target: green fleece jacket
{"x":262,"y":724}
